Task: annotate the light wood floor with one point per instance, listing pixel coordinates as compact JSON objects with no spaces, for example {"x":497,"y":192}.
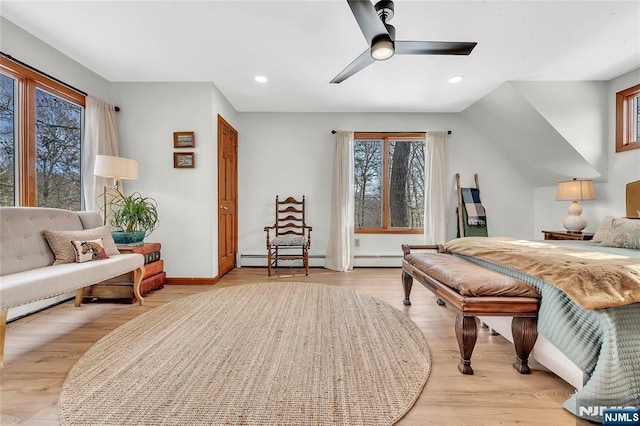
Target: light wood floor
{"x":42,"y":348}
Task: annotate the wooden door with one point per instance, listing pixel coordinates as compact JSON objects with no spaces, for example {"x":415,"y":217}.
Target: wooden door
{"x":227,"y":196}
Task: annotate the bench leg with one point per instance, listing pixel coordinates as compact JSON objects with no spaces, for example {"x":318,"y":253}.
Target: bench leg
{"x":467,"y":334}
{"x":407,"y":284}
{"x":525,"y":333}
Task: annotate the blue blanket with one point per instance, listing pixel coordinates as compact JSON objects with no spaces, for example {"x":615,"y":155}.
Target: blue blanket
{"x":603,"y":343}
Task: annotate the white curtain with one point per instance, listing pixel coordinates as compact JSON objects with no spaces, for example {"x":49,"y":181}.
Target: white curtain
{"x":436,"y":187}
{"x":340,"y":246}
{"x":100,"y":137}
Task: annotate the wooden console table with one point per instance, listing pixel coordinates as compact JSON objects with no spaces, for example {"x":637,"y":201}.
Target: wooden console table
{"x":121,"y":287}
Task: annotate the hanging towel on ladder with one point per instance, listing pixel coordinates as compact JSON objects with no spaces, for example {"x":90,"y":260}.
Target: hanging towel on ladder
{"x":476,"y":215}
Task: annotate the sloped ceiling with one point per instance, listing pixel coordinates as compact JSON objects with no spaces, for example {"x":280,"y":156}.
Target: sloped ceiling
{"x":577,"y":110}
{"x":543,"y":154}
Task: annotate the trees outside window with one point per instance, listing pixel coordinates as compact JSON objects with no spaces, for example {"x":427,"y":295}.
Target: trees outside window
{"x":40,"y":139}
{"x":389,"y":182}
{"x":58,"y":137}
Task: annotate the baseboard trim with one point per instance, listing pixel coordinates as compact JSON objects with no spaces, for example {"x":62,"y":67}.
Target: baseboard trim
{"x":192,"y":281}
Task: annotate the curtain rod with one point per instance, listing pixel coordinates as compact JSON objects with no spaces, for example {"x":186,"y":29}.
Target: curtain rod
{"x":333,"y":132}
{"x":46,"y":75}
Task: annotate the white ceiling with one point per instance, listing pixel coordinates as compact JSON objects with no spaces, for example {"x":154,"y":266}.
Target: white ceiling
{"x":301,"y":45}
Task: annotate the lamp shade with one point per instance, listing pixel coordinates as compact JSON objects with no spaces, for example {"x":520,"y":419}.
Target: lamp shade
{"x":575,"y":190}
{"x":116,"y":167}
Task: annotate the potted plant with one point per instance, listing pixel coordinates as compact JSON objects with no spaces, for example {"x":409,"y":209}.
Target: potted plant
{"x":133,"y":217}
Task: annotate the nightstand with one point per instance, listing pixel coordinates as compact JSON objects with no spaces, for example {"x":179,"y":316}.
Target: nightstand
{"x":566,"y":235}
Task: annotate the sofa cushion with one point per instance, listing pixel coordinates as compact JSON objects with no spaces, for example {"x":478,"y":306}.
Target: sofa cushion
{"x":60,"y":242}
{"x":28,"y":286}
{"x":87,"y":251}
{"x":21,"y":241}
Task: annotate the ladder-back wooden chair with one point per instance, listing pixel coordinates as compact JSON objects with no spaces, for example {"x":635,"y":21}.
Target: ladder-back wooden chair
{"x":289,"y":241}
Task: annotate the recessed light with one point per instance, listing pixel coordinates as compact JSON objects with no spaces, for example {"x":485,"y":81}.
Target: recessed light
{"x":456,"y":79}
{"x":261,"y":79}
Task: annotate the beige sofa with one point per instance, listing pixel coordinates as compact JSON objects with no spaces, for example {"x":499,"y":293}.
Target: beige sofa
{"x":31,"y":270}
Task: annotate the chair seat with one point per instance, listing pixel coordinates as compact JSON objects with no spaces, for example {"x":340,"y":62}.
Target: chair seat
{"x":289,"y":241}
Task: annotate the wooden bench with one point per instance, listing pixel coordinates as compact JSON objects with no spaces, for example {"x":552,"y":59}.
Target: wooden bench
{"x":471,"y":290}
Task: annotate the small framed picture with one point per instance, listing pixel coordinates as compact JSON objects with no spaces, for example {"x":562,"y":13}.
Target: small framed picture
{"x":184,"y":140}
{"x":183,"y":160}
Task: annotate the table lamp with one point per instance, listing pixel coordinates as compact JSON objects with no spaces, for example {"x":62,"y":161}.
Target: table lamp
{"x":115,"y":168}
{"x":574,"y":191}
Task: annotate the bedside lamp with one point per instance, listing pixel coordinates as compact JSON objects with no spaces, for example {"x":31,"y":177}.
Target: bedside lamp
{"x":115,"y":168}
{"x":575,"y":190}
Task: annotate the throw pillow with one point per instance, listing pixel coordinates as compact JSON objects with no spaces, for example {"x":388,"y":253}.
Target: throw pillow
{"x":89,"y":250}
{"x":603,"y":229}
{"x":608,"y":225}
{"x":619,"y":221}
{"x":625,"y":236}
{"x":60,"y":242}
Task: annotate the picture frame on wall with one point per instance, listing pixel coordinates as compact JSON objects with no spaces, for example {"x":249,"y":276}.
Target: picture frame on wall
{"x":184,"y":140}
{"x":183,"y":160}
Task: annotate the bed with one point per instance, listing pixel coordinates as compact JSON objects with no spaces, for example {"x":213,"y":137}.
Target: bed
{"x":589,"y":336}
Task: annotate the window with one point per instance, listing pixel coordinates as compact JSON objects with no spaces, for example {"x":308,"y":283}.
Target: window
{"x":389,"y":182}
{"x":628,"y":119}
{"x":40,"y":139}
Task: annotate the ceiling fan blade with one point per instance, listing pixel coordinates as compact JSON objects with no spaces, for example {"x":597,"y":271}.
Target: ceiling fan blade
{"x":368,"y":20}
{"x":433,"y":47}
{"x":359,"y":64}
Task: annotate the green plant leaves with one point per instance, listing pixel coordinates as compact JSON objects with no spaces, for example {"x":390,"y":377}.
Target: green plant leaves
{"x":133,"y":212}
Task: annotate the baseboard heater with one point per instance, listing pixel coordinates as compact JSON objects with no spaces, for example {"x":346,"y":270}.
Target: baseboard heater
{"x":317,"y":260}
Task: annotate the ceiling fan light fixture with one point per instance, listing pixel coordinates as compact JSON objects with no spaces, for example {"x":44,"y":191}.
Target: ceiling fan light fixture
{"x":382,"y":48}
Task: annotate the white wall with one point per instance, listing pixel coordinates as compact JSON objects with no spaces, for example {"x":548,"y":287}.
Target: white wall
{"x":24,"y":47}
{"x":292,"y":154}
{"x":623,"y":167}
{"x":187,"y":198}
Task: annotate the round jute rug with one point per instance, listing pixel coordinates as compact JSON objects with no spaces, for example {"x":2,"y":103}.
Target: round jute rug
{"x":258,"y":354}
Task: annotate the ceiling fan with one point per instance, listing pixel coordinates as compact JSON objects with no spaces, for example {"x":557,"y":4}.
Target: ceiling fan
{"x":381,"y":38}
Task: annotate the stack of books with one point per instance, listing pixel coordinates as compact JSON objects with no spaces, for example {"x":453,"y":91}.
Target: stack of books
{"x":121,"y":287}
